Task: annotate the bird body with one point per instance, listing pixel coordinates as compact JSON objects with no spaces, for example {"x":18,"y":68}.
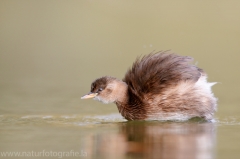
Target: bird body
{"x":158,"y":86}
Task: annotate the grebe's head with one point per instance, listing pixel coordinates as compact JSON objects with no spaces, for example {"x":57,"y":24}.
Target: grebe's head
{"x":107,"y":90}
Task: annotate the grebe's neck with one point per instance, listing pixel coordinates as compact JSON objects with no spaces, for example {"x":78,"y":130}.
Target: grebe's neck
{"x":120,"y":91}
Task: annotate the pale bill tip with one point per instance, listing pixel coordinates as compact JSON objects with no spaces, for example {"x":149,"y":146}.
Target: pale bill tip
{"x":88,"y":96}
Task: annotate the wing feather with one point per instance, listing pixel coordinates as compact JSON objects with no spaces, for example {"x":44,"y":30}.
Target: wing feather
{"x":154,"y":72}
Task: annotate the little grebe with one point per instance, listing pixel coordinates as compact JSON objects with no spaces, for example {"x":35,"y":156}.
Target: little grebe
{"x":159,"y":86}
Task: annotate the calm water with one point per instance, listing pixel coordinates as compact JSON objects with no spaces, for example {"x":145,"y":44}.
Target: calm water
{"x":51,"y":51}
{"x":110,"y":136}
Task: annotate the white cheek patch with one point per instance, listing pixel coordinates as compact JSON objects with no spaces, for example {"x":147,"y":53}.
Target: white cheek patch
{"x":98,"y":98}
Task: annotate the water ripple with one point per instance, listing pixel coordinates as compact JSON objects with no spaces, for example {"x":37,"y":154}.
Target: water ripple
{"x":60,"y":119}
{"x":81,"y":120}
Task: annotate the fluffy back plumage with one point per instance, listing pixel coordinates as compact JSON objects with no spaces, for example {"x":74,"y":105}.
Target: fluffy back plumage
{"x":152,"y":73}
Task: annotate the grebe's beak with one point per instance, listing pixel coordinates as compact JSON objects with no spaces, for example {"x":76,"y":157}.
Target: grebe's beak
{"x":89,"y":95}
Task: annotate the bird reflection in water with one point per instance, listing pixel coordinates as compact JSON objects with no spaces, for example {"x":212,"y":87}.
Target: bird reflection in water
{"x":141,"y":139}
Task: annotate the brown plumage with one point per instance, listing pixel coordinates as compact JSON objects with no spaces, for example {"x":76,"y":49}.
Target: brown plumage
{"x":159,"y":86}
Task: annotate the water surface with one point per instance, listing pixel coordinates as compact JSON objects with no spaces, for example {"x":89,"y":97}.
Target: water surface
{"x":110,"y":136}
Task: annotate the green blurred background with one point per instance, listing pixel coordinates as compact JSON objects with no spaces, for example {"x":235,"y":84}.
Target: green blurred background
{"x":51,"y":50}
